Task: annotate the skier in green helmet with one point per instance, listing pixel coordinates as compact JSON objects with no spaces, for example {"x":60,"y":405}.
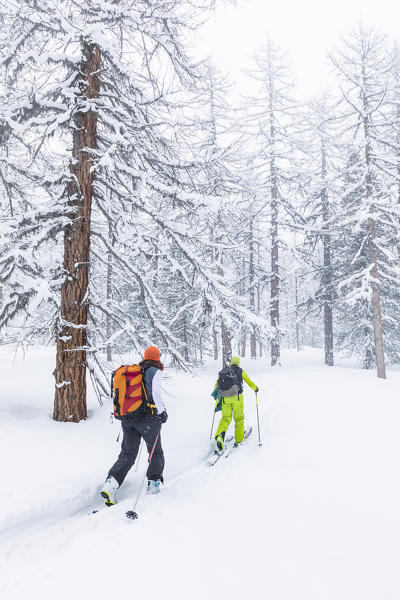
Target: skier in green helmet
{"x":232,"y":405}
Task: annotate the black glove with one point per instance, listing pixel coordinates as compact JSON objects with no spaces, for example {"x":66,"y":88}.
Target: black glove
{"x":163,"y":416}
{"x":256,"y":390}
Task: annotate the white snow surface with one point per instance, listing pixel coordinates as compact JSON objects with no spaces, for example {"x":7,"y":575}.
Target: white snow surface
{"x":313,"y":514}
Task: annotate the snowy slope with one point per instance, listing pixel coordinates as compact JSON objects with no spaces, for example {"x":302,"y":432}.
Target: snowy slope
{"x":313,"y":514}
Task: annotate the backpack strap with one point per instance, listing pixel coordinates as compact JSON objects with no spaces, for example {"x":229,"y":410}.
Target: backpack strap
{"x":151,"y":406}
{"x":112,"y":382}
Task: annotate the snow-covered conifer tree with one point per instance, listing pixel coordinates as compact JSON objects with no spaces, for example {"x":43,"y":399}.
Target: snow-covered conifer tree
{"x":226,"y":166}
{"x":270,"y":115}
{"x":363,"y":65}
{"x":106,"y":85}
{"x":322,"y":150}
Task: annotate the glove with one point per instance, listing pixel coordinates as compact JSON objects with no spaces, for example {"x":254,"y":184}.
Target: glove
{"x":163,"y":416}
{"x":256,"y":390}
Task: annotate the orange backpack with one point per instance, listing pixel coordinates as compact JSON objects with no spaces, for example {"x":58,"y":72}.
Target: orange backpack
{"x":127,"y":390}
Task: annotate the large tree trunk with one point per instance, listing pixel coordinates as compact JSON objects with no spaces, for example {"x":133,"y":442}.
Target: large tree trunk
{"x":70,"y":373}
{"x":327,"y":273}
{"x":376,"y":300}
{"x":376,"y":303}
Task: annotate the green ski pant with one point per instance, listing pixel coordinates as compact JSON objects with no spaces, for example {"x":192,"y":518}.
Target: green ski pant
{"x":232,"y":406}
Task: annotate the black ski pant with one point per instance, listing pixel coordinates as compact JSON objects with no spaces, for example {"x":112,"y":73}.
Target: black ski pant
{"x":146,"y":427}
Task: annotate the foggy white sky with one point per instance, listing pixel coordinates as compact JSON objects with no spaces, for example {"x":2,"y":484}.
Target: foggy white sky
{"x":306,"y":28}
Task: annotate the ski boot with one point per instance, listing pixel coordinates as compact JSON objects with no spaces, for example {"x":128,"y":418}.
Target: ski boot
{"x":220,"y":442}
{"x":153,"y":486}
{"x":109,"y":491}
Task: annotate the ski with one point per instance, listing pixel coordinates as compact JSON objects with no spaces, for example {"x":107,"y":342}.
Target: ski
{"x":245,"y":438}
{"x":216,"y":455}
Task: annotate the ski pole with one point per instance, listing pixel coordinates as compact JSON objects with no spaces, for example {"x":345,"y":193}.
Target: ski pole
{"x":258,"y":422}
{"x":138,"y":458}
{"x":212,"y":424}
{"x":131,"y":514}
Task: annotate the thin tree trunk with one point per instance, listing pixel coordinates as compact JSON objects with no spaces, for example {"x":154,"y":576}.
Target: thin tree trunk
{"x":397,"y":79}
{"x":327,"y":273}
{"x":243,"y":349}
{"x":368,"y":360}
{"x":274,"y":306}
{"x":185,"y":340}
{"x":398,"y":186}
{"x":260,"y":350}
{"x":296,"y":295}
{"x":70,"y":373}
{"x":226,"y":341}
{"x":215,"y":343}
{"x":253,"y":345}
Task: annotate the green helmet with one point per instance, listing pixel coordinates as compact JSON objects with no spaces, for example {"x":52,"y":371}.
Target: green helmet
{"x":235,"y":360}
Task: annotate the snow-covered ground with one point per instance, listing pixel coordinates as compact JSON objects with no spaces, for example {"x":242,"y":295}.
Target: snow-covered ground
{"x":313,"y":514}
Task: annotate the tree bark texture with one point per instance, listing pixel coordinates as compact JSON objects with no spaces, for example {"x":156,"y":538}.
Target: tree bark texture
{"x":327,"y":272}
{"x":376,"y":303}
{"x":70,"y":373}
{"x":368,"y":361}
{"x":260,"y":348}
{"x":109,"y":295}
{"x":185,"y":340}
{"x":376,"y":300}
{"x":243,"y":345}
{"x":215,"y":344}
{"x":274,"y":307}
{"x":275,"y":284}
{"x":253,"y":342}
{"x":226,"y":338}
{"x":296,"y":299}
{"x":226,"y":343}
